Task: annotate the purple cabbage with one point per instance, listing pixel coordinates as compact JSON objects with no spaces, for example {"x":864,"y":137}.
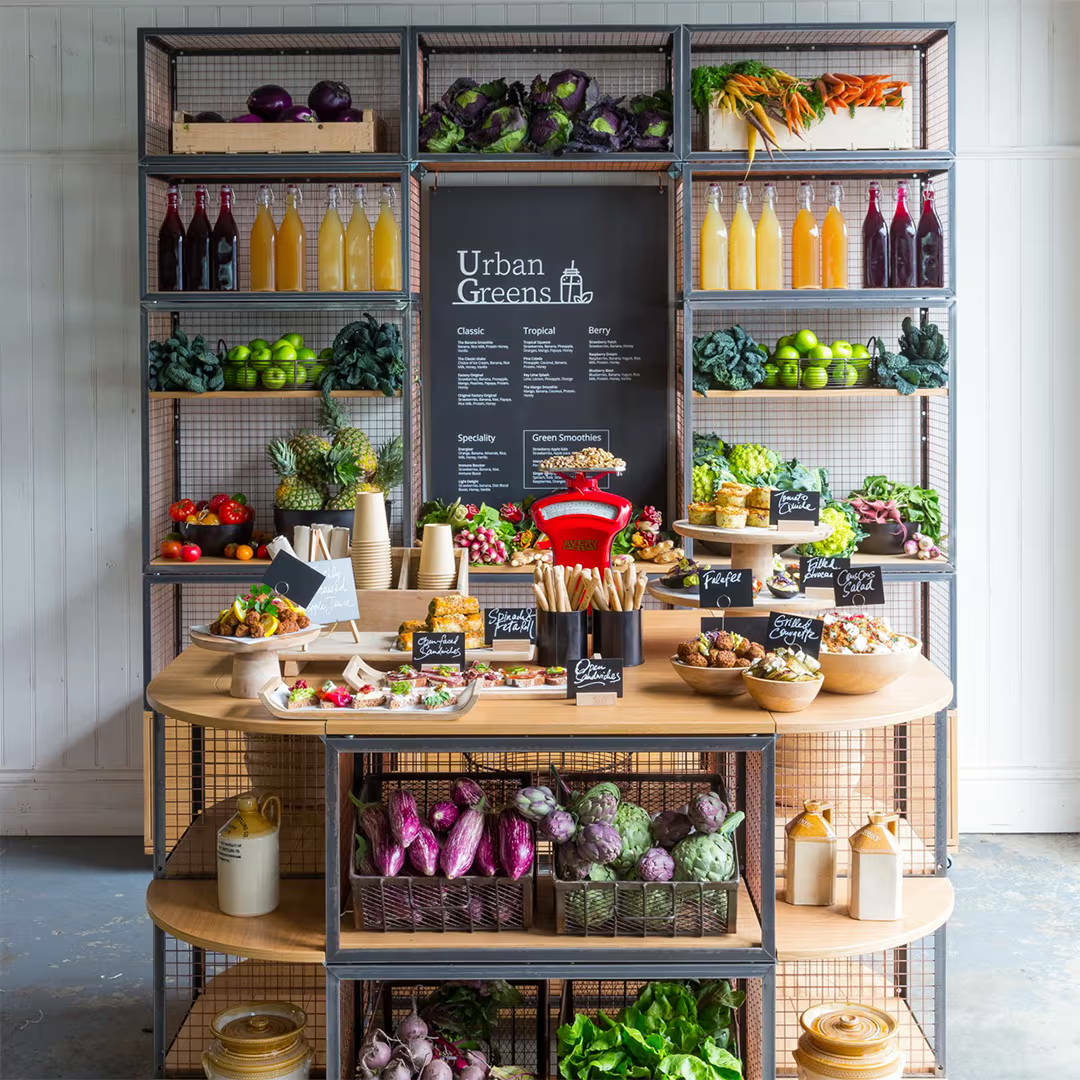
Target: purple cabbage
{"x":440,"y":133}
{"x":540,"y":94}
{"x":517,"y":848}
{"x":299,"y":114}
{"x":549,"y":129}
{"x":571,"y":89}
{"x":468,"y":101}
{"x":605,"y":128}
{"x":328,"y":100}
{"x":502,"y":131}
{"x":269,"y":101}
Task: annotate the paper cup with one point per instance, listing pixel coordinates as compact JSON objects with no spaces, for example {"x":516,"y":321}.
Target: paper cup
{"x":369,"y":518}
{"x":437,"y":552}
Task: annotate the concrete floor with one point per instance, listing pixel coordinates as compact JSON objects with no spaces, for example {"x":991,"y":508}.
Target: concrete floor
{"x":76,"y":975}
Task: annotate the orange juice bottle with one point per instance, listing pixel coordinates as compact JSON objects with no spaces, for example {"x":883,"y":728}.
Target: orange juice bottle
{"x":834,"y":242}
{"x":386,"y":246}
{"x":742,"y":246}
{"x":358,"y":245}
{"x":714,"y":243}
{"x":770,"y":244}
{"x":263,"y":242}
{"x":331,"y":246}
{"x":291,"y":253}
{"x":805,"y":243}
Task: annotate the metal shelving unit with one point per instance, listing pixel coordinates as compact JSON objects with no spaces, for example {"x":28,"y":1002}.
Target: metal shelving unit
{"x":197,"y":771}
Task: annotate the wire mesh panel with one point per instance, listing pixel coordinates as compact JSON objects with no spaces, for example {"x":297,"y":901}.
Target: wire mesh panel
{"x":163,"y":627}
{"x":312,"y":209}
{"x":216,"y":72}
{"x":199,"y":984}
{"x":853,"y":206}
{"x":902,"y":982}
{"x":918,"y":55}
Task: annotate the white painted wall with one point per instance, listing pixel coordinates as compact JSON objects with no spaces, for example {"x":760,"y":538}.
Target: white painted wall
{"x":70,"y":737}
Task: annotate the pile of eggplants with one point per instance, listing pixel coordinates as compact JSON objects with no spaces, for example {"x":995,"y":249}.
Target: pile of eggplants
{"x":459,"y":836}
{"x":328,"y":102}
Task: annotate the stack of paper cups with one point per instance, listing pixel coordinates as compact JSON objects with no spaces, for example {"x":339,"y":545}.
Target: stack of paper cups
{"x":371,"y":542}
{"x":437,"y":563}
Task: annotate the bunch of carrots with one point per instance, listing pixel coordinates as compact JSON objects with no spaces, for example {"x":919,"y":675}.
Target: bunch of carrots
{"x":849,"y":91}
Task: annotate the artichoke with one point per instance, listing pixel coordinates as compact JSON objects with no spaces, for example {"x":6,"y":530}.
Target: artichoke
{"x":569,"y":865}
{"x":599,"y":805}
{"x":599,"y":843}
{"x":558,"y":827}
{"x":707,"y":811}
{"x":634,"y":826}
{"x":669,"y":827}
{"x":535,"y":803}
{"x":708,"y":856}
{"x":656,"y":865}
{"x":592,"y":905}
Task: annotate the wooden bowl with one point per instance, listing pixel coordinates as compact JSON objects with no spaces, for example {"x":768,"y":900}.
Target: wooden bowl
{"x":717,"y":682}
{"x":866,"y":673}
{"x":777,"y":696}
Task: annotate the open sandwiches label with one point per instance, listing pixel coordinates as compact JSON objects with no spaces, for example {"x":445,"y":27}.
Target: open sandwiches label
{"x":593,"y":681}
{"x":432,"y":648}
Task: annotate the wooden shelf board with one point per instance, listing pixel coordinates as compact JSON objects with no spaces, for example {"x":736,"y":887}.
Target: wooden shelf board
{"x":295,"y":933}
{"x":828,"y":392}
{"x":209,"y":561}
{"x":224,"y":395}
{"x":819,"y":933}
{"x":890,"y":563}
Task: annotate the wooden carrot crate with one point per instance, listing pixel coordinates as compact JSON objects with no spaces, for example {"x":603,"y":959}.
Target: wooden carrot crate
{"x":362,"y":137}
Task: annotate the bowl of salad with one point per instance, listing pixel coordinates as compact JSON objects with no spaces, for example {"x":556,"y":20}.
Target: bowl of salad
{"x":861,"y":654}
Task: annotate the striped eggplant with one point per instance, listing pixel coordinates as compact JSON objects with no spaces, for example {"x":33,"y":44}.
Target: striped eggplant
{"x":442,"y":815}
{"x":459,"y":850}
{"x":424,"y":852}
{"x":517,"y":848}
{"x":387,"y":855}
{"x":466,"y":792}
{"x":404,"y":818}
{"x":487,"y":851}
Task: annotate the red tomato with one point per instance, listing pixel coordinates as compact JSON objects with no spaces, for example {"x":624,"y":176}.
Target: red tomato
{"x":262,"y":553}
{"x":170,"y":549}
{"x":232,"y":513}
{"x":202,"y":504}
{"x":191,"y":553}
{"x":181,"y":509}
{"x":249,"y":513}
{"x":218,"y":501}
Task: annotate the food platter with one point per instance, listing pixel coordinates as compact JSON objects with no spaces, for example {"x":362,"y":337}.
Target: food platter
{"x":275,"y":696}
{"x":358,"y":673}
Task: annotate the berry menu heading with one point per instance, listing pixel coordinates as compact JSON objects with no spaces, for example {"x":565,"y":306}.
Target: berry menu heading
{"x":545,"y":331}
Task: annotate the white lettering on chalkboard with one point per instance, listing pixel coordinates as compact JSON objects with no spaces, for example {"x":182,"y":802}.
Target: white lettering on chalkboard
{"x":474,"y":266}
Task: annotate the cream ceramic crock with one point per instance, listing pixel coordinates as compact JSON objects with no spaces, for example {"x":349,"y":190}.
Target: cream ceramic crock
{"x":261,"y":1040}
{"x":845,"y":1041}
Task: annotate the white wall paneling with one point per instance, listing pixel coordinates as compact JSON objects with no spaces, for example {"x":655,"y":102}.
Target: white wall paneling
{"x":70,"y":742}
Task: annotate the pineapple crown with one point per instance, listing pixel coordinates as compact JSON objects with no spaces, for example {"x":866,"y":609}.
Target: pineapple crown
{"x":340,"y":466}
{"x":282,"y":458}
{"x":333,"y":415}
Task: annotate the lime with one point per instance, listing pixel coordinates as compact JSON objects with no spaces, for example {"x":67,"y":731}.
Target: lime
{"x":284,"y":354}
{"x":295,"y":340}
{"x":247,"y":378}
{"x":814,"y":378}
{"x":805,"y":340}
{"x":842,"y":350}
{"x":821,"y":352}
{"x":789,"y":376}
{"x":238,"y":354}
{"x":860,"y":351}
{"x":274,"y":378}
{"x":258,"y":343}
{"x":786,"y":352}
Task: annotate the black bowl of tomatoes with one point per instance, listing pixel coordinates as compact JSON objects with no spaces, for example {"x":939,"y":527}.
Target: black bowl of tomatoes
{"x":213,"y":539}
{"x":223,"y":520}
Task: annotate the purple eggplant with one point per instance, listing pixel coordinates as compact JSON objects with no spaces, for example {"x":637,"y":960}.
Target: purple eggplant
{"x":487,"y":851}
{"x":442,"y":815}
{"x":459,"y":851}
{"x":424,"y":852}
{"x":387,"y":855}
{"x":404,"y":818}
{"x":328,"y":99}
{"x":354,"y":116}
{"x":299,"y":114}
{"x":209,"y":117}
{"x":247,"y":118}
{"x":269,"y":101}
{"x":517,"y":849}
{"x":466,"y":792}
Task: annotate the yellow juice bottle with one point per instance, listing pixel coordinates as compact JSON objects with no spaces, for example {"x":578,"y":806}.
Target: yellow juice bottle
{"x":386,"y":246}
{"x":714,"y":243}
{"x":742,"y":246}
{"x":291,"y":245}
{"x":358,"y":246}
{"x":834,"y":243}
{"x":331,"y":246}
{"x":805,"y":244}
{"x":263,"y":241}
{"x":770,"y":244}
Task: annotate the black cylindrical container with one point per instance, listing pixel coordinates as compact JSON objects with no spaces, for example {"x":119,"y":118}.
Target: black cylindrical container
{"x":561,"y":636}
{"x":618,"y":634}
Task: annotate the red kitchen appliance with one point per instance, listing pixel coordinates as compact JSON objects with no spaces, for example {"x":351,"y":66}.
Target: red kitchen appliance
{"x":582,"y":521}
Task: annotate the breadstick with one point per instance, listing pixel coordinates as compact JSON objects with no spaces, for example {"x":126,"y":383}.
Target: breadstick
{"x":541,"y":597}
{"x":639,"y":593}
{"x":613,"y":592}
{"x":629,"y":587}
{"x":599,"y":596}
{"x":549,"y":586}
{"x":585,"y":596}
{"x":564,"y":599}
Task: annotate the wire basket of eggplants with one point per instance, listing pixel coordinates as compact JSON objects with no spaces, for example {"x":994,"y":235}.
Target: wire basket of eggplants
{"x":617,"y":635}
{"x":214,"y":538}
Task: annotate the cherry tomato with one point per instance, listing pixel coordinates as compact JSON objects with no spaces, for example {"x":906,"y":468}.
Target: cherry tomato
{"x":181,"y":509}
{"x":170,"y":549}
{"x":230,"y":551}
{"x":191,"y":553}
{"x":217,"y":501}
{"x":245,"y":552}
{"x":232,"y":513}
{"x":262,"y":553}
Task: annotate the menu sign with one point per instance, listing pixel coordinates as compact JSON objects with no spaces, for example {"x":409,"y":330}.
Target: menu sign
{"x":724,"y":588}
{"x":513,"y":624}
{"x":545,"y":331}
{"x":588,"y":677}
{"x":859,"y":586}
{"x":794,"y":631}
{"x":819,"y":571}
{"x":434,"y":648}
{"x":795,"y":506}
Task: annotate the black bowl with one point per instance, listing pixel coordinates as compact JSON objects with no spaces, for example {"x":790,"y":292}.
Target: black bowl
{"x":213,"y":538}
{"x":885,"y":538}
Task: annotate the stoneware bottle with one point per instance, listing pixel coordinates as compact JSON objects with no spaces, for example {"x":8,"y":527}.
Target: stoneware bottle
{"x":258,"y":1041}
{"x":810,"y":856}
{"x":846,"y":1040}
{"x":247,"y":857}
{"x":877,"y":868}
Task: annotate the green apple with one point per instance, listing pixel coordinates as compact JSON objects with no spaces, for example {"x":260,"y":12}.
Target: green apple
{"x":772,"y":376}
{"x":305,"y":356}
{"x":314,"y":371}
{"x":258,"y":343}
{"x":860,"y":352}
{"x":326,"y":354}
{"x":295,"y":374}
{"x":805,"y":340}
{"x":295,"y":340}
{"x":842,"y":350}
{"x":789,"y":376}
{"x":815,"y":378}
{"x":786,"y":352}
{"x":863,"y":376}
{"x":260,"y":358}
{"x":274,"y":378}
{"x":821,"y":352}
{"x":238,"y":354}
{"x":231,"y":373}
{"x":787,"y":339}
{"x":844,"y":373}
{"x":284,"y":354}
{"x":247,"y":378}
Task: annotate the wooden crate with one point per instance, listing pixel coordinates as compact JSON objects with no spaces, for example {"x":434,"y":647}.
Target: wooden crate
{"x":363,"y":137}
{"x":871,"y":128}
{"x":387,"y":609}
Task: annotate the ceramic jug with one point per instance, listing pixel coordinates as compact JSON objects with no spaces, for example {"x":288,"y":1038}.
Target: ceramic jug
{"x":810,"y":856}
{"x":877,"y":868}
{"x":258,"y":1041}
{"x":247,"y":857}
{"x":847,"y":1040}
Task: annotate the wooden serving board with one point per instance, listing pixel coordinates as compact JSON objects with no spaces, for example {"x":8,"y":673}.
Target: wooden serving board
{"x":357,"y":673}
{"x":794,"y":533}
{"x":275,"y":694}
{"x":379,"y":646}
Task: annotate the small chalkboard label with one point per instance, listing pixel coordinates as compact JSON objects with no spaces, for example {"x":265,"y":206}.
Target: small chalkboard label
{"x":819,"y":571}
{"x":794,"y":631}
{"x":795,"y":506}
{"x":859,"y":586}
{"x":751,"y":627}
{"x":291,"y":577}
{"x":336,"y":599}
{"x":593,"y":676}
{"x":434,"y":648}
{"x":722,"y":587}
{"x":510,"y":623}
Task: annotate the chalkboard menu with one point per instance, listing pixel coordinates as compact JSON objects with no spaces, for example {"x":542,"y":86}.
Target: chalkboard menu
{"x":545,"y":331}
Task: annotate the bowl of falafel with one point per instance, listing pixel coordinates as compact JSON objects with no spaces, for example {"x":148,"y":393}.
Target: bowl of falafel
{"x":713,"y":663}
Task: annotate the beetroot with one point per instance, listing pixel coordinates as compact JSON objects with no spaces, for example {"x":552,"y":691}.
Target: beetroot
{"x":516,"y":846}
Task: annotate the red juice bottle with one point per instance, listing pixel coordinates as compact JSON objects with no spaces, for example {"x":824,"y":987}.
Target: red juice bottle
{"x":930,"y":243}
{"x":902,"y":243}
{"x":170,"y":248}
{"x":875,"y":243}
{"x":225,"y":246}
{"x":197,"y":253}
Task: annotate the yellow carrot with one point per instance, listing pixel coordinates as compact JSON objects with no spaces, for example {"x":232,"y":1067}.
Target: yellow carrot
{"x":763,"y":119}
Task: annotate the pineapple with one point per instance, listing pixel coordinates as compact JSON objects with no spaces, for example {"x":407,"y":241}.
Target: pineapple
{"x":353,"y":439}
{"x":310,"y":451}
{"x":292,"y":493}
{"x":345,"y":499}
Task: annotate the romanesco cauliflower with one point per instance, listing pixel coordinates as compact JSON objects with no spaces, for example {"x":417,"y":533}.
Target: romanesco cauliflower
{"x":845,"y":535}
{"x":708,"y":477}
{"x":752,"y":462}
